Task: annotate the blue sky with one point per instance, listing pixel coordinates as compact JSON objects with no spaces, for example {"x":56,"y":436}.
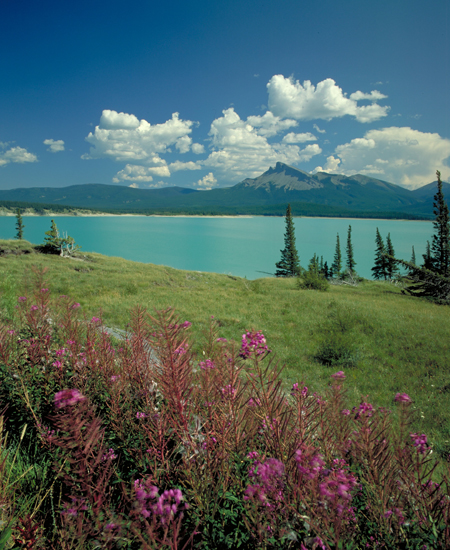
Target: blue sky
{"x":204,"y":93}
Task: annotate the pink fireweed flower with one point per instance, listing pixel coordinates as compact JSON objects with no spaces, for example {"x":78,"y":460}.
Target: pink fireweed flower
{"x":402,"y":398}
{"x":228,"y":391}
{"x":180,"y":351}
{"x":365,"y":409}
{"x":208,"y":364}
{"x":67,"y":397}
{"x":70,"y":342}
{"x":57,"y":364}
{"x":61,"y":352}
{"x":420,"y":442}
{"x":22,"y":299}
{"x":253,"y":343}
{"x":338,"y":375}
{"x":109,"y":455}
{"x":140,"y":415}
{"x":345,"y":412}
{"x":186,"y":324}
{"x":11,"y":331}
{"x":95,"y":320}
{"x":34,"y":308}
{"x":44,"y":290}
{"x":270,"y":486}
{"x":221,"y":340}
{"x":114,"y":378}
{"x":75,"y":306}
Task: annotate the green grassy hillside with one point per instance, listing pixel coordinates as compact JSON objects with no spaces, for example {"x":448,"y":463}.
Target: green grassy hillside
{"x":386,"y":342}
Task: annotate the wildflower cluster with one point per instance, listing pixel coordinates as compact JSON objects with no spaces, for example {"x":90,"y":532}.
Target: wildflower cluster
{"x":253,"y":343}
{"x":320,"y":473}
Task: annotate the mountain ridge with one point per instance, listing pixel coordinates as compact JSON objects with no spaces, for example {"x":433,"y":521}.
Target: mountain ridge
{"x":277,"y":185}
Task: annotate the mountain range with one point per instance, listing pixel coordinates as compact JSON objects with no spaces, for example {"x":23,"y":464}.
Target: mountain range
{"x":322,"y":193}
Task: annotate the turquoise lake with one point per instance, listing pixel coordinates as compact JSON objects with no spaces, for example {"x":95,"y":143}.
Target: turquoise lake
{"x":245,"y":247}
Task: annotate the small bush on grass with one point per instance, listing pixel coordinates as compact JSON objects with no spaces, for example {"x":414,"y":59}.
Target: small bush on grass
{"x":313,"y":281}
{"x":339,"y":339}
{"x":150,"y":446}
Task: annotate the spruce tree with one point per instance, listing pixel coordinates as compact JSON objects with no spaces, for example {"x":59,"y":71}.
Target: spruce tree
{"x":350,"y":258}
{"x":427,"y":258}
{"x":337,"y":263}
{"x":413,"y":257}
{"x":391,"y":267}
{"x":52,"y":242}
{"x":379,"y":270}
{"x":19,"y":225}
{"x":289,"y":265}
{"x":440,"y":246}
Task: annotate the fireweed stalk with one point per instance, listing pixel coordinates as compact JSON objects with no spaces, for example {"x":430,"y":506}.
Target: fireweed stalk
{"x":154,"y":447}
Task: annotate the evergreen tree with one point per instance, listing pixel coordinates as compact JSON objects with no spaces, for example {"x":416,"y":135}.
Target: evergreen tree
{"x":350,"y":258}
{"x":326,"y":272}
{"x":313,"y":266}
{"x":337,"y":263}
{"x":427,"y":258}
{"x":19,"y":225}
{"x":440,"y":246}
{"x":412,"y":261}
{"x":380,"y":268}
{"x":289,"y":265}
{"x":52,"y":241}
{"x":392,"y":268}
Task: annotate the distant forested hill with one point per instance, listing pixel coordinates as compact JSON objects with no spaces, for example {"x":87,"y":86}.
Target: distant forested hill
{"x":312,"y":194}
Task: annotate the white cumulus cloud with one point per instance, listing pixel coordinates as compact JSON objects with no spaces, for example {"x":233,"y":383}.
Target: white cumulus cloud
{"x":289,"y":98}
{"x":198,"y":148}
{"x":331,"y":166}
{"x":124,"y":138}
{"x":239,"y":150}
{"x":178,"y":165}
{"x":55,"y":146}
{"x":17,"y":155}
{"x":402,"y":156}
{"x":133,"y":172}
{"x":298,"y":138}
{"x":270,"y":125}
{"x":206,"y":183}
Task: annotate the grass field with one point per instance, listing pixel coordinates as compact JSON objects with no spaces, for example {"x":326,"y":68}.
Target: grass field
{"x":386,"y":342}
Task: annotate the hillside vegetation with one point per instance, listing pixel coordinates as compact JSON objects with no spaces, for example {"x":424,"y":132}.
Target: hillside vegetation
{"x":386,"y":342}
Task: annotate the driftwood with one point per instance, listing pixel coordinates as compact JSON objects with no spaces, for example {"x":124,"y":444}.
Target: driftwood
{"x":348,"y":279}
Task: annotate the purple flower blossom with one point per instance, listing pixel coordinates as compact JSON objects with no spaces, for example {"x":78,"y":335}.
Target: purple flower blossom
{"x":208,"y":364}
{"x":186,"y":324}
{"x":11,"y":331}
{"x":95,"y":320}
{"x":228,"y":391}
{"x":270,"y":486}
{"x":57,"y":364}
{"x":221,"y":340}
{"x":420,"y":442}
{"x":140,"y":415}
{"x":34,"y":308}
{"x":253,"y":343}
{"x":75,"y":306}
{"x":114,"y":378}
{"x":67,"y":397}
{"x":44,"y":290}
{"x":364,"y":409}
{"x":338,"y":375}
{"x":22,"y":299}
{"x":180,"y":351}
{"x":345,"y":412}
{"x":109,"y":455}
{"x":164,"y":507}
{"x":402,"y":398}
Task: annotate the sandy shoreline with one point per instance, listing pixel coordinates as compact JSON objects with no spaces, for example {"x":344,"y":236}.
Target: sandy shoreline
{"x":106,"y":214}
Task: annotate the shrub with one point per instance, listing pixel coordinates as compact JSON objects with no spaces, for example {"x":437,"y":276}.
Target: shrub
{"x":313,"y":281}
